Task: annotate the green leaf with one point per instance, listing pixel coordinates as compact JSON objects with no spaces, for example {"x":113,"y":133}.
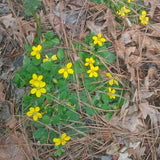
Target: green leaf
{"x":36,"y":61}
{"x":61,"y":54}
{"x":18,"y":80}
{"x":43,"y":139}
{"x":32,"y":69}
{"x":40,"y":100}
{"x":49,"y":35}
{"x":56,"y":119}
{"x":83,"y":55}
{"x":27,"y":100}
{"x":77,"y":66}
{"x":90,"y":111}
{"x":48,"y":66}
{"x":30,"y":6}
{"x":28,"y":48}
{"x":49,"y":98}
{"x":40,"y":132}
{"x":58,"y":153}
{"x":26,"y":61}
{"x":108,"y":116}
{"x":56,"y":41}
{"x":72,"y":115}
{"x":109,"y":57}
{"x":46,"y":119}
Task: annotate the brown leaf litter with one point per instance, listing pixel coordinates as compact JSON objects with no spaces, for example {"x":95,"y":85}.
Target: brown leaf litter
{"x":15,"y":147}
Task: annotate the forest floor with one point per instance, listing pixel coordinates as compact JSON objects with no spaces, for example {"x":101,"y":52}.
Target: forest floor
{"x":101,"y":78}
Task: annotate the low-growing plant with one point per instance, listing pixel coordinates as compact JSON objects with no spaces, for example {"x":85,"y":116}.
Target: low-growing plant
{"x":53,"y":99}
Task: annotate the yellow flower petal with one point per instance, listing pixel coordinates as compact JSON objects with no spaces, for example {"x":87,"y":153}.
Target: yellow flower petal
{"x":86,"y":64}
{"x":34,"y":76}
{"x":37,"y":109}
{"x":69,"y":65}
{"x":103,"y":40}
{"x":87,"y":59}
{"x":54,"y":57}
{"x":43,"y":90}
{"x":36,"y":83}
{"x":109,"y":75}
{"x":65,"y":75}
{"x":100,"y":43}
{"x":33,"y":90}
{"x":92,"y":60}
{"x":33,"y":48}
{"x":57,"y":141}
{"x":63,"y":142}
{"x":95,"y":42}
{"x":70,"y":71}
{"x":33,"y":53}
{"x":94,"y":38}
{"x":96,"y":68}
{"x":31,"y":109}
{"x":35,"y":117}
{"x":95,"y":74}
{"x":39,"y":115}
{"x":111,"y":82}
{"x":31,"y":81}
{"x":91,"y":74}
{"x":29,"y":114}
{"x":45,"y":60}
{"x":38,"y":56}
{"x":89,"y":71}
{"x":63,"y":135}
{"x":38,"y":93}
{"x":40,"y":78}
{"x":99,"y":35}
{"x":39,"y":47}
{"x":61,"y":71}
{"x":67,"y":138}
{"x":42,"y":84}
{"x":144,"y":13}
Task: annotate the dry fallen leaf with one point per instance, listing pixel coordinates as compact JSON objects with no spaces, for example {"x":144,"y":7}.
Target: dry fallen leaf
{"x":2,"y":94}
{"x":154,"y":4}
{"x":94,"y":28}
{"x":13,"y":147}
{"x":149,"y":110}
{"x":110,"y":23}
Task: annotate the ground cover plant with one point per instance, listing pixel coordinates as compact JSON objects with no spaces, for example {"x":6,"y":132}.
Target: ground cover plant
{"x":90,"y":79}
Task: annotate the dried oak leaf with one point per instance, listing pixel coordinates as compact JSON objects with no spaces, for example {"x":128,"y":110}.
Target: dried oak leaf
{"x":94,"y":28}
{"x":149,"y":110}
{"x":110,"y":23}
{"x":14,"y":147}
{"x":154,"y":4}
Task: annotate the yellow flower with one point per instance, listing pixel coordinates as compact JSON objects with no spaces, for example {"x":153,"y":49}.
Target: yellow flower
{"x":129,"y":1}
{"x":55,"y":81}
{"x":111,"y":93}
{"x":35,"y":80}
{"x":34,"y":112}
{"x":62,"y":140}
{"x":47,"y":59}
{"x":92,"y":72}
{"x":122,"y":12}
{"x":113,"y":80}
{"x":89,"y":61}
{"x":69,"y":104}
{"x":143,"y":18}
{"x":54,"y":57}
{"x":98,"y":40}
{"x":36,"y":51}
{"x":67,"y":70}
